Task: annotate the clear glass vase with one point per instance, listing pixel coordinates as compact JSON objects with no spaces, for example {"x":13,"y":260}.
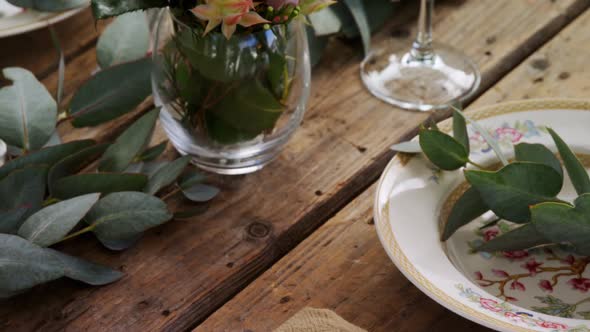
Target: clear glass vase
{"x":230,"y":104}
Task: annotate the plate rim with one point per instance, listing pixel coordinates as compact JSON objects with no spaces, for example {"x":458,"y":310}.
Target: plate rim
{"x":40,"y":23}
{"x":394,"y":251}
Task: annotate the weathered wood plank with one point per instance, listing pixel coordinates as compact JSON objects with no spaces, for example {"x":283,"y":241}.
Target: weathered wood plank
{"x":178,"y":274}
{"x":342,"y":265}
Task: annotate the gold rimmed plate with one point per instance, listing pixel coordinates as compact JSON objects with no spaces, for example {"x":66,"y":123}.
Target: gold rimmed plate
{"x":534,"y":290}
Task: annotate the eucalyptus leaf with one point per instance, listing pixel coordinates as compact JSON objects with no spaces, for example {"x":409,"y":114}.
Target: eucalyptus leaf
{"x":443,"y":150}
{"x":190,"y":178}
{"x":574,"y":167}
{"x":317,"y":45}
{"x":468,"y":207}
{"x":486,"y":136}
{"x":108,"y":8}
{"x":24,"y":265}
{"x":200,"y":193}
{"x":460,"y":130}
{"x":166,"y":175}
{"x":129,"y":144}
{"x":74,"y":163}
{"x":86,"y":272}
{"x":21,"y":194}
{"x":358,"y":13}
{"x":53,"y":223}
{"x":523,"y":237}
{"x":407,"y":147}
{"x":561,"y":222}
{"x":48,"y":156}
{"x":49,"y":5}
{"x":153,"y":152}
{"x":112,"y":92}
{"x":61,"y":66}
{"x":537,"y":153}
{"x":148,"y":168}
{"x":119,"y":244}
{"x":28,"y":113}
{"x":125,"y":215}
{"x":510,"y":191}
{"x":126,"y":39}
{"x":105,"y":183}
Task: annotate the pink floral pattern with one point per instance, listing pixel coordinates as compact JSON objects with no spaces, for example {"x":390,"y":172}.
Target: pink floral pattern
{"x":507,"y":135}
{"x":516,"y":315}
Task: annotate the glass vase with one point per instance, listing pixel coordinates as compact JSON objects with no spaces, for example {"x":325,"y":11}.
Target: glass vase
{"x":231,"y":104}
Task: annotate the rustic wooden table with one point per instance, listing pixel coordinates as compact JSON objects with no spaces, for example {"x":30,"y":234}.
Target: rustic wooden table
{"x":298,"y":233}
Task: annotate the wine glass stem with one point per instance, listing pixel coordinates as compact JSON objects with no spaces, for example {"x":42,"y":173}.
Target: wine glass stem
{"x":422,"y":47}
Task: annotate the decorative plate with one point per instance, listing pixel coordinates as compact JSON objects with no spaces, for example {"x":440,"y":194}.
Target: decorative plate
{"x":15,"y":20}
{"x":534,"y":290}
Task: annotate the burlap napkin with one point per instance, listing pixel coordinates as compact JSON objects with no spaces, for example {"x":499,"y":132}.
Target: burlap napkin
{"x":317,"y":320}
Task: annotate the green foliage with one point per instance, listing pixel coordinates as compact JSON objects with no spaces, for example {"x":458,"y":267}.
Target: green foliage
{"x":51,"y":224}
{"x":357,"y":10}
{"x":166,"y":175}
{"x":28,"y":113}
{"x":460,"y":130}
{"x":125,"y":215}
{"x":443,"y":150}
{"x":468,"y":207}
{"x":126,"y":39}
{"x":21,"y":194}
{"x":200,"y":192}
{"x":112,"y":92}
{"x":129,"y":144}
{"x":574,"y":167}
{"x":537,"y":153}
{"x":153,"y":152}
{"x":24,"y":265}
{"x":510,"y":191}
{"x":104,"y":183}
{"x":523,"y":237}
{"x":561,"y":222}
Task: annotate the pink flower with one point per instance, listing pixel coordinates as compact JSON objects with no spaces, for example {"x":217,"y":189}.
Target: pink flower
{"x":532,"y":266}
{"x":545,"y":285}
{"x":489,"y":234}
{"x":500,"y":273}
{"x":490,"y":304}
{"x":512,"y":316}
{"x":516,"y":285}
{"x":516,"y":254}
{"x":228,"y":13}
{"x":569,"y":260}
{"x":552,"y":325}
{"x":581,"y":284}
{"x":478,"y":275}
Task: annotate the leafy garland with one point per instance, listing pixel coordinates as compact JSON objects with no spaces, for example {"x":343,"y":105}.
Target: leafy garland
{"x":523,"y":191}
{"x":51,"y":192}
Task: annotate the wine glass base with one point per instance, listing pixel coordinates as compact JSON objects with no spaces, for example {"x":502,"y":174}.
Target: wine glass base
{"x":421,"y":85}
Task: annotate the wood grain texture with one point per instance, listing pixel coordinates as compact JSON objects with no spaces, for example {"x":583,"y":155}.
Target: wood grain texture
{"x":181,"y":272}
{"x":342,"y":265}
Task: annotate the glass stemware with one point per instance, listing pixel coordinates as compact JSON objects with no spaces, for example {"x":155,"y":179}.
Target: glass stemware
{"x":428,"y":77}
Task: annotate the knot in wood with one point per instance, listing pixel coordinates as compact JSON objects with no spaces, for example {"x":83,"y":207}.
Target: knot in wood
{"x":258,"y":229}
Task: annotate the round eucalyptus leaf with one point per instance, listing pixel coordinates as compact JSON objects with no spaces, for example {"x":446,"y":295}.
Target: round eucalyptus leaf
{"x":123,"y":215}
{"x":28,"y":113}
{"x":574,"y":167}
{"x":443,"y":150}
{"x":510,"y":191}
{"x":200,"y":193}
{"x":523,"y":237}
{"x":53,"y":223}
{"x":104,"y":183}
{"x":166,"y":175}
{"x":537,"y":153}
{"x":126,"y":39}
{"x":468,"y":207}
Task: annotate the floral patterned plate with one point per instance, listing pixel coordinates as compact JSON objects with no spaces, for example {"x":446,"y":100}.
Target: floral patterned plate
{"x":15,"y":20}
{"x":535,"y":290}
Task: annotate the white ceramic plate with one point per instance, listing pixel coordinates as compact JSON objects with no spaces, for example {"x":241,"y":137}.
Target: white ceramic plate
{"x":15,"y":20}
{"x":536,"y":290}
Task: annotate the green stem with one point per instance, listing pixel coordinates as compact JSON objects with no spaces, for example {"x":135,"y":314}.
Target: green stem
{"x":78,"y":233}
{"x":50,"y":201}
